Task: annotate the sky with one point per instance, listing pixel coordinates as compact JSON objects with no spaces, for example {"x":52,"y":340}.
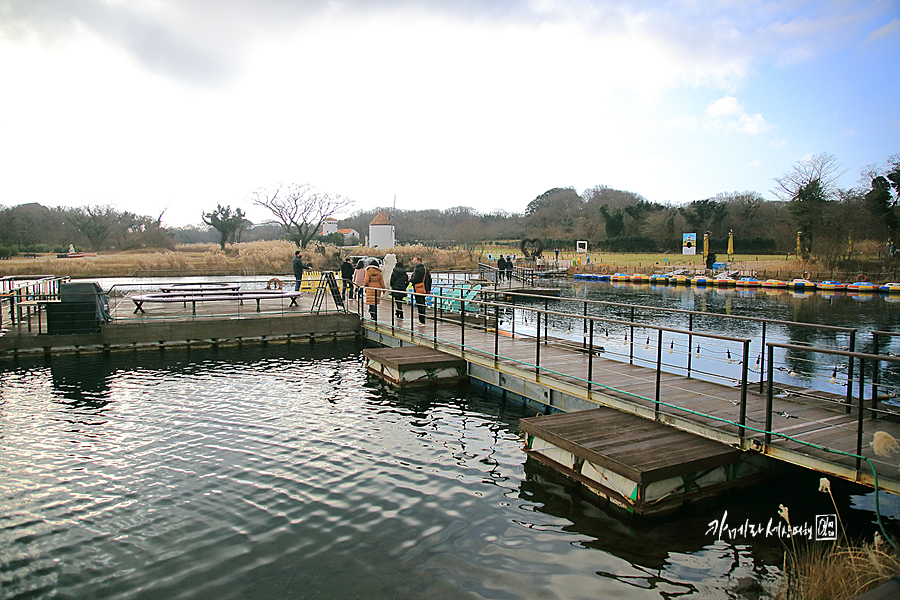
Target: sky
{"x":174,"y":106}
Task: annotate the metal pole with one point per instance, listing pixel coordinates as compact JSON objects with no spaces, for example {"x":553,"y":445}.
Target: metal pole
{"x":852,"y":348}
{"x":875,"y":376}
{"x":658,"y":368}
{"x":537,"y":359}
{"x":769,"y":398}
{"x":631,"y":347}
{"x":546,"y":321}
{"x":859,"y":417}
{"x":584,"y":323}
{"x":744,"y":382}
{"x":462,"y":323}
{"x":762,"y":357}
{"x":513,"y":302}
{"x":690,"y":341}
{"x":590,"y":373}
{"x":496,"y":332}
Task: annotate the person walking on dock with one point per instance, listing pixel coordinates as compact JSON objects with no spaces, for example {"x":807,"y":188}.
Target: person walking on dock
{"x":421,"y":280}
{"x":299,"y":267}
{"x":374,"y":283}
{"x":346,"y":278}
{"x":501,"y":268}
{"x":509,"y":268}
{"x":359,"y":276}
{"x":399,"y":281}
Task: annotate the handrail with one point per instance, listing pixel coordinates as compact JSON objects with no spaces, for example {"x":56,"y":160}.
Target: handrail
{"x":862,"y":357}
{"x":692,"y":313}
{"x":739,"y":421}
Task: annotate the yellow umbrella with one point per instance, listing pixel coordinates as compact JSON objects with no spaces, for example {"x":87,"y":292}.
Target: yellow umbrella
{"x":705,"y":245}
{"x":730,"y":242}
{"x":798,"y":242}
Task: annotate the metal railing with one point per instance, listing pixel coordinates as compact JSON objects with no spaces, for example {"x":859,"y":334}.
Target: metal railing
{"x":18,"y":297}
{"x":860,"y":401}
{"x":523,"y":275}
{"x":658,"y":343}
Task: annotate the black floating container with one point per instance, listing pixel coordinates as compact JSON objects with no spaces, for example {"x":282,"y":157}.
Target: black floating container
{"x":83,"y":308}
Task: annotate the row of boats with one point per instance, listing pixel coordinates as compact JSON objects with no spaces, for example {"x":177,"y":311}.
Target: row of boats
{"x":727,"y":280}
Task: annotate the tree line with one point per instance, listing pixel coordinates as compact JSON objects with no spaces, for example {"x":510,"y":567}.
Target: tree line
{"x":812,"y":215}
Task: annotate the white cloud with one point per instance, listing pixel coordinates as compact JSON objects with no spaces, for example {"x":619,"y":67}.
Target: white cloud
{"x":727,"y":114}
{"x":888,"y":30}
{"x":754,"y":163}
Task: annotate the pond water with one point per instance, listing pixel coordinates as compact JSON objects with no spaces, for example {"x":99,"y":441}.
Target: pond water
{"x":285,"y":471}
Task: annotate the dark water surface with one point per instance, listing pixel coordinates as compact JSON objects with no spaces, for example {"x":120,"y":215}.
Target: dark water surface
{"x":286,"y":472}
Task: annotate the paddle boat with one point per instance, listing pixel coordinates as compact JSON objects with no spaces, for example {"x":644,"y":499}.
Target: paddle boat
{"x":831,"y":286}
{"x":680,"y":280}
{"x":701,"y":281}
{"x":802,"y":284}
{"x":659,"y":279}
{"x":862,"y":286}
{"x":747,"y":282}
{"x":639,"y":278}
{"x":891,"y":288}
{"x":775,"y":284}
{"x":620,"y":277}
{"x":724,"y":281}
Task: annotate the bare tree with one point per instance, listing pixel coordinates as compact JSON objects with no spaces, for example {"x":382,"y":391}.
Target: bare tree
{"x":298,"y":209}
{"x":822,"y":168}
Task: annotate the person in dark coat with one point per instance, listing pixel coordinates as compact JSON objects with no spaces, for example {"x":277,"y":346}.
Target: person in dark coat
{"x":299,"y":267}
{"x":399,"y":281}
{"x":346,"y":278}
{"x":501,"y":268}
{"x":509,"y":267}
{"x":421,"y":280}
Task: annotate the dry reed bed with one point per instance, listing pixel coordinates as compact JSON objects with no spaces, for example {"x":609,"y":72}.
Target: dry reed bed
{"x":251,"y":258}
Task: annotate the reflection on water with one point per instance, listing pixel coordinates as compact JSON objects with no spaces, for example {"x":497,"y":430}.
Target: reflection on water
{"x":288,"y":472}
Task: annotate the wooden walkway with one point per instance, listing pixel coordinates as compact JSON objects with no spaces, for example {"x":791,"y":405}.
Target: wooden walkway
{"x":701,"y":407}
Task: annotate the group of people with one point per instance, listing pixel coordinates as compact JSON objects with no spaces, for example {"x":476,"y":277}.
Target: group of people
{"x":505,"y":267}
{"x":368,"y":279}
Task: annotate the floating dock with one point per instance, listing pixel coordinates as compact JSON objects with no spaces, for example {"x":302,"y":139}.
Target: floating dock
{"x":415,"y":365}
{"x":643,"y":466}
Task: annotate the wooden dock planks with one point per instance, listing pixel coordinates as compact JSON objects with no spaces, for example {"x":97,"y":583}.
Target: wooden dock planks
{"x":643,"y":450}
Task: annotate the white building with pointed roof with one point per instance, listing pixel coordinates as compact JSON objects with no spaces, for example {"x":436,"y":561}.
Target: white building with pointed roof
{"x":381,"y":232}
{"x":329,"y":225}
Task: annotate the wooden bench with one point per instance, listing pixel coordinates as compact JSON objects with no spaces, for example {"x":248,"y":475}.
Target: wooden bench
{"x":214,"y":296}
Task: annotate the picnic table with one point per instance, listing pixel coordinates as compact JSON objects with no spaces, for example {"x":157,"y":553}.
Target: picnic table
{"x":213,"y":296}
{"x":199,"y":287}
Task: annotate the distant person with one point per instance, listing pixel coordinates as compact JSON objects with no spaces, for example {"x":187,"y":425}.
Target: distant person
{"x":346,"y":278}
{"x":399,"y":282}
{"x":421,"y":280}
{"x":374,"y":283}
{"x":299,"y":267}
{"x":509,"y":267}
{"x":359,"y":277}
{"x":501,"y":268}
